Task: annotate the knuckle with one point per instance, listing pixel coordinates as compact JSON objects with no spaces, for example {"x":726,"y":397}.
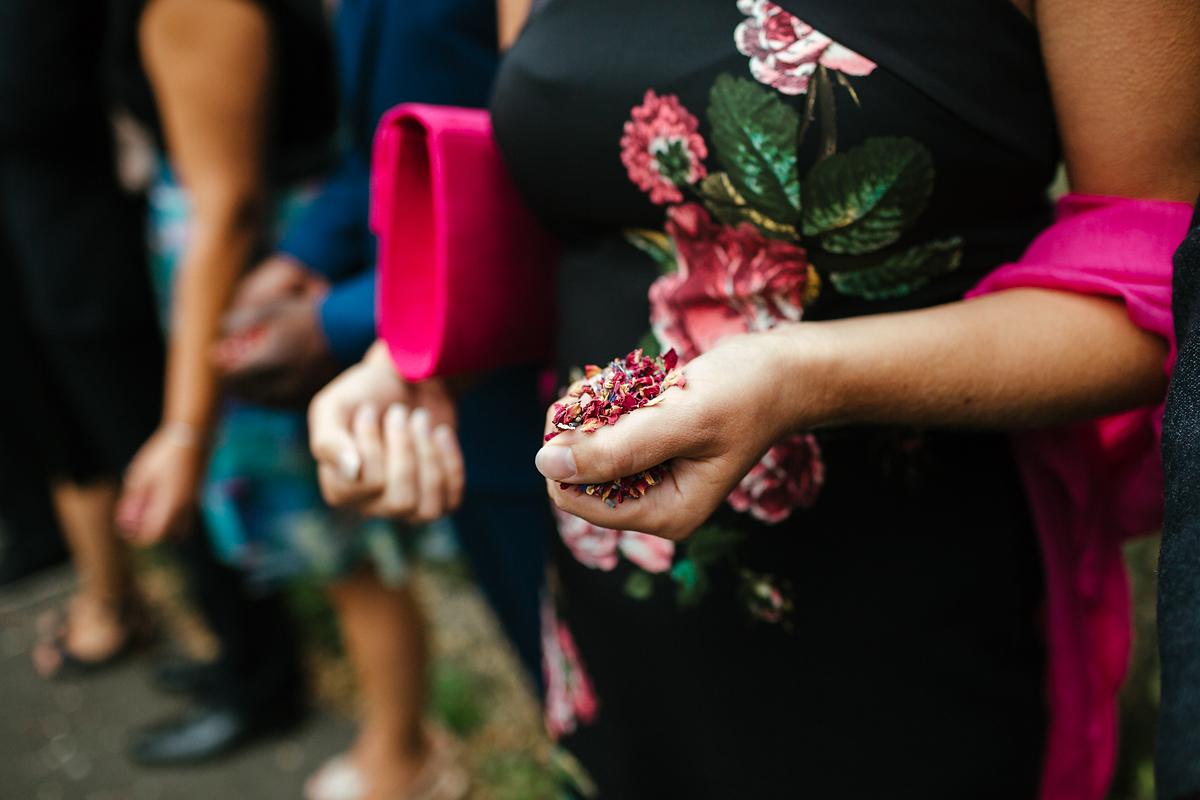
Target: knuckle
{"x":560,"y":499}
{"x":401,"y":504}
{"x":618,"y":461}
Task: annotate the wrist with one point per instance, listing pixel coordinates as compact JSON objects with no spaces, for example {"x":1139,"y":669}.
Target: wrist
{"x":186,"y":436}
{"x":804,"y":360}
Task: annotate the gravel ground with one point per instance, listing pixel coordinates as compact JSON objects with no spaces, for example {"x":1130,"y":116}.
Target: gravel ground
{"x":65,"y":741}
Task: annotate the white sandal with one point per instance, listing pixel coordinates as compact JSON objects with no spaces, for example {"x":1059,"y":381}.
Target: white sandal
{"x":337,"y":779}
{"x":441,"y":777}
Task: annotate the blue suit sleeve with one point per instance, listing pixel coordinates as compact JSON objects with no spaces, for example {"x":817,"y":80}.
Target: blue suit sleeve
{"x":348,"y":317}
{"x":331,"y":236}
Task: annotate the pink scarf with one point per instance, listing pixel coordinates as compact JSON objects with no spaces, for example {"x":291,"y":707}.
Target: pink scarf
{"x":1095,"y":484}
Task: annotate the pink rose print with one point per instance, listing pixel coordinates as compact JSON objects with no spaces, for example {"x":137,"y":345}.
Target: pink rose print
{"x":651,"y":553}
{"x":788,"y":476}
{"x":730,"y":280}
{"x":597,"y":547}
{"x":570,"y":698}
{"x":784,"y":52}
{"x":591,"y":546}
{"x":662,"y":149}
{"x":734,"y":280}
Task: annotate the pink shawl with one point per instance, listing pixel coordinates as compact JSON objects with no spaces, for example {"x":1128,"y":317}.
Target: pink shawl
{"x":1093,"y":485}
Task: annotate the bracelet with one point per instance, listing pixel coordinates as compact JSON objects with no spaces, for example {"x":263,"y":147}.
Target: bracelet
{"x":181,"y":434}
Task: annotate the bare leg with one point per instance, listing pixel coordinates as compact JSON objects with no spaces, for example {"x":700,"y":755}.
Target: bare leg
{"x":95,"y":627}
{"x":384,"y":634}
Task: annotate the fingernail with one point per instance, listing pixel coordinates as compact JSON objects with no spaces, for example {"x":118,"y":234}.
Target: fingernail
{"x":349,"y":464}
{"x":420,"y":420}
{"x":396,"y":416}
{"x":444,"y":438}
{"x":557,"y":463}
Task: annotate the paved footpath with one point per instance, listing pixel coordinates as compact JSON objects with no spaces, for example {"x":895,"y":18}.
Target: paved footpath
{"x":65,"y":741}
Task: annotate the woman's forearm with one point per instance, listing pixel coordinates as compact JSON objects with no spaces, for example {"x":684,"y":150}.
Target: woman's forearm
{"x":1015,"y":359}
{"x":222,"y":243}
{"x":209,"y":65}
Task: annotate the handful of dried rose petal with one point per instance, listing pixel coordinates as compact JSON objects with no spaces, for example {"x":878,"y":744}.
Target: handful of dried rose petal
{"x":602,"y":397}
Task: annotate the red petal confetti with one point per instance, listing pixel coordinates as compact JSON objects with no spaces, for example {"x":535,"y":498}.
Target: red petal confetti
{"x":605,"y":395}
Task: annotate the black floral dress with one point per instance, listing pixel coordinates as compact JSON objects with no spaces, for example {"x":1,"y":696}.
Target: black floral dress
{"x":861,"y":618}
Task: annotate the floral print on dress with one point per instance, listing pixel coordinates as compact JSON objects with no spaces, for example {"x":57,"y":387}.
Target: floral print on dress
{"x":750,"y":242}
{"x":767,"y":598}
{"x":598,"y":548}
{"x":789,"y":476}
{"x":570,"y":698}
{"x":728,"y":280}
{"x":744,"y":252}
{"x":785,"y":52}
{"x":661,"y":148}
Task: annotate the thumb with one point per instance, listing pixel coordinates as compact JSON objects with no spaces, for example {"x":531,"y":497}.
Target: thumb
{"x":639,"y":440}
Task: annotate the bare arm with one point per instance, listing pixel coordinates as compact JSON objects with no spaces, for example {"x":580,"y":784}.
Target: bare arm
{"x":511,"y":16}
{"x":209,"y":66}
{"x":1014,"y":359}
{"x":1123,"y":75}
{"x":208,"y":63}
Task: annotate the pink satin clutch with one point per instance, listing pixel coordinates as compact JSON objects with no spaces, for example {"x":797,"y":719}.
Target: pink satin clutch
{"x":465,"y":271}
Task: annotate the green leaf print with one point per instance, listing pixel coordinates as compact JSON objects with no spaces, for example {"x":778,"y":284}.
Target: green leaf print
{"x":691,"y":582}
{"x":655,"y":244}
{"x":712,"y":543}
{"x":702,"y":549}
{"x":639,"y":585}
{"x":902,"y":273}
{"x":862,"y":200}
{"x":754,"y":134}
{"x":730,"y":208}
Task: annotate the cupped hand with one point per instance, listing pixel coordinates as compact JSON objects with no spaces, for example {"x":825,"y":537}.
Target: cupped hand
{"x":277,"y":277}
{"x":277,"y":354}
{"x":384,"y":447}
{"x":710,"y":434}
{"x":161,"y":486}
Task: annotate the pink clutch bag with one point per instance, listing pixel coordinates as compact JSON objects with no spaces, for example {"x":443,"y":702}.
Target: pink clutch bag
{"x":465,"y":271}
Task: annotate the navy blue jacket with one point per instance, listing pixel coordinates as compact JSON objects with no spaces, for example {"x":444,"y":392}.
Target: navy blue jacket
{"x":388,"y":52}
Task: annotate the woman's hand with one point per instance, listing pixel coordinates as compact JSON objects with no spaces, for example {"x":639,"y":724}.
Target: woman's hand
{"x":279,"y":355}
{"x":735,"y":406}
{"x":384,"y":447}
{"x":161,"y":486}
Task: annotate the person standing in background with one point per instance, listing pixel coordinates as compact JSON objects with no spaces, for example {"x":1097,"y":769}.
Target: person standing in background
{"x":82,"y":349}
{"x":237,"y":95}
{"x":1177,"y":761}
{"x":284,"y":328}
